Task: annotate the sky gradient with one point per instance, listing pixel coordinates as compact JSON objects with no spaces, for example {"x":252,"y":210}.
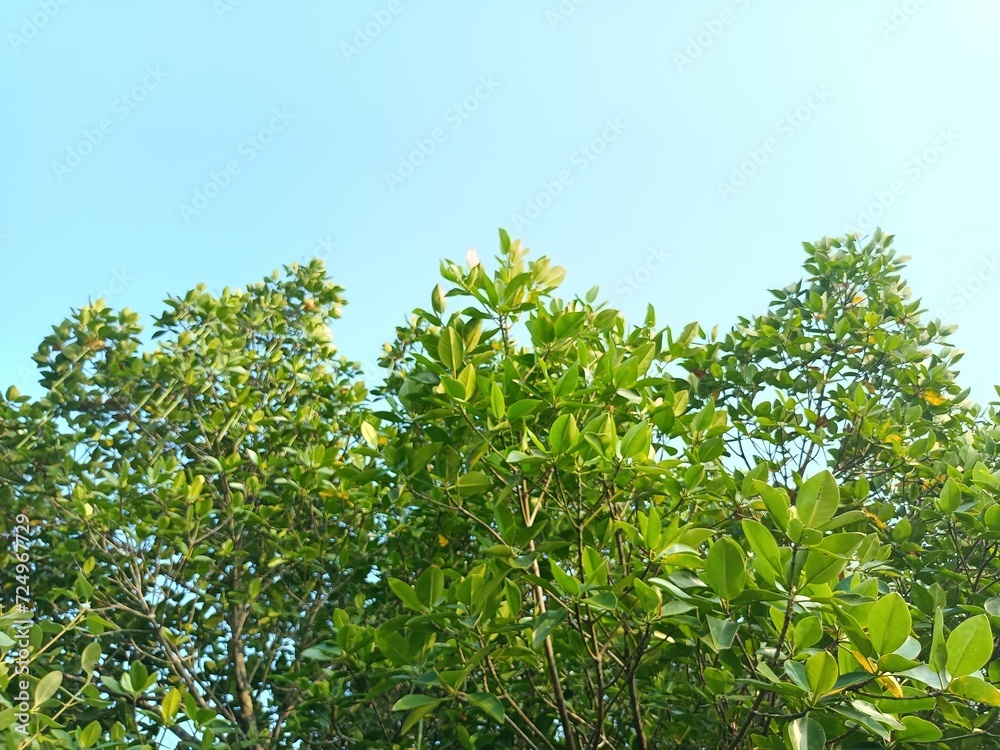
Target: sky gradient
{"x":671,"y":153}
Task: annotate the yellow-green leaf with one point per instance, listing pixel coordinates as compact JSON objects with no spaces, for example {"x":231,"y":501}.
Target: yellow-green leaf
{"x":47,"y":687}
{"x":90,"y":656}
{"x":975,"y":689}
{"x":822,"y":673}
{"x":171,"y":704}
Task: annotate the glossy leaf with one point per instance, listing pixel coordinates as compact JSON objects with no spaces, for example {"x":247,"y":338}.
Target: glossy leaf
{"x":725,"y":568}
{"x":818,"y":500}
{"x":889,"y":623}
{"x":970,"y":646}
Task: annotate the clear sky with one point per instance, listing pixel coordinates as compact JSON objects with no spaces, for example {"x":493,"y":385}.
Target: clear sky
{"x":674,"y":153}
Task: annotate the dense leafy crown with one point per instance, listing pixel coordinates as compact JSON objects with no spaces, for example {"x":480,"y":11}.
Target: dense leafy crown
{"x":546,"y":528}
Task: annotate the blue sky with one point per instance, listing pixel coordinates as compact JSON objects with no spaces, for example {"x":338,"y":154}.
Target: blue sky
{"x":671,"y":153}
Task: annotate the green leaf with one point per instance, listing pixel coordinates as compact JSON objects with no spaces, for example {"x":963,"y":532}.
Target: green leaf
{"x":822,"y":673}
{"x":861,"y":488}
{"x":513,"y":596}
{"x":650,"y":598}
{"x":918,"y":730}
{"x":90,"y":656}
{"x":595,"y":567}
{"x":544,"y":624}
{"x":171,"y":704}
{"x":414,"y":700}
{"x":653,"y":528}
{"x":604,"y":600}
{"x":970,"y":646}
{"x":520,"y":409}
{"x":896,"y":663}
{"x":857,"y":637}
{"x":453,"y":388}
{"x":818,"y":500}
{"x":564,"y":580}
{"x":806,"y":734}
{"x":807,"y":632}
{"x":723,"y":632}
{"x":938,"y":658}
{"x":473,"y":483}
{"x":567,"y":383}
{"x":636,"y":441}
{"x":488,"y":704}
{"x":975,"y":689}
{"x":47,"y":687}
{"x":497,"y":404}
{"x":563,"y":434}
{"x":90,"y":734}
{"x":451,"y":349}
{"x":776,"y":502}
{"x":889,"y":623}
{"x":901,"y":531}
{"x":406,"y":594}
{"x":950,"y":497}
{"x":467,"y":377}
{"x":430,"y":586}
{"x":797,"y":672}
{"x":369,"y":434}
{"x":418,"y":712}
{"x":504,"y":241}
{"x":725,"y":568}
{"x":138,"y":674}
{"x":822,"y":566}
{"x":763,"y":544}
{"x":437,"y":299}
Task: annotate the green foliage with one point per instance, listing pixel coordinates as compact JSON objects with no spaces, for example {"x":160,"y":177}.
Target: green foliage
{"x":546,"y":529}
{"x":209,"y":498}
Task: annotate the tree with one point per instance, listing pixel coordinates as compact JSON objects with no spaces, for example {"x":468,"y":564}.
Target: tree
{"x":203,"y":501}
{"x":546,"y":529}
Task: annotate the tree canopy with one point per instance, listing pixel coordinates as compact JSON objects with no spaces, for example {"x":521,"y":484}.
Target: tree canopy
{"x":547,"y":527}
